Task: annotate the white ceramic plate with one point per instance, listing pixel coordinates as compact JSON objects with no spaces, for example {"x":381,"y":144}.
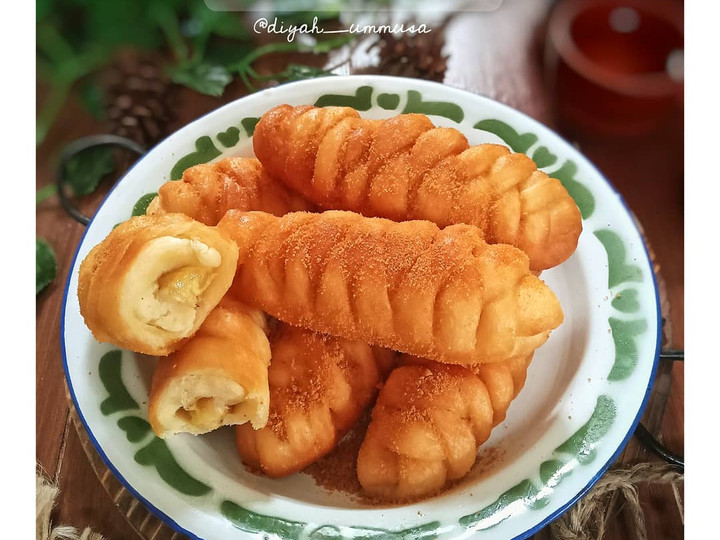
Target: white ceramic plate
{"x":585,"y":391}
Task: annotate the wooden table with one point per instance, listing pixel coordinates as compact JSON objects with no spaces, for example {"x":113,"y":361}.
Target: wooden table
{"x":498,"y":55}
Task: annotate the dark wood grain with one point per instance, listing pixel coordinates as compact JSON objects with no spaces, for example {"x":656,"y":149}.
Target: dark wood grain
{"x":498,"y":55}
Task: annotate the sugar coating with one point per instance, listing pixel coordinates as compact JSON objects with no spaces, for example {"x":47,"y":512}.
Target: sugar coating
{"x":443,"y":294}
{"x":319,"y":387}
{"x":428,"y":422}
{"x":405,"y":168}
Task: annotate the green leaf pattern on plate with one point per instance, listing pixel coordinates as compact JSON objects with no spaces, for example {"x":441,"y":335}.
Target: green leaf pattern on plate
{"x":626,"y":301}
{"x":119,"y":399}
{"x":534,"y":494}
{"x":141,"y":206}
{"x":205,"y":150}
{"x":229,"y":137}
{"x":543,"y":157}
{"x":624,"y":332}
{"x":252,"y":522}
{"x":520,"y":143}
{"x":619,"y":270}
{"x":361,"y":101}
{"x":388,"y":102}
{"x":415,"y":104}
{"x":582,"y":195}
{"x":135,"y":428}
{"x":626,"y":351}
{"x":156,"y":453}
{"x":524,"y":493}
{"x":249,"y":124}
{"x":581,"y":445}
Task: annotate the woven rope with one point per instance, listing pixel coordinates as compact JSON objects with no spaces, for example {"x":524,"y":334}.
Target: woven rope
{"x":45,"y":497}
{"x":590,"y":516}
{"x":588,"y":519}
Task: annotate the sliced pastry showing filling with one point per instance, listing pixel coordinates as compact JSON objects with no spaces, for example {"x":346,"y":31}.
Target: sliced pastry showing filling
{"x":218,"y":378}
{"x":150,"y":284}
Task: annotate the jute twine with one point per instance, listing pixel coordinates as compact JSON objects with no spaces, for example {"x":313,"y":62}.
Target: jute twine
{"x":587,"y":519}
{"x":590,"y":517}
{"x":46,"y":494}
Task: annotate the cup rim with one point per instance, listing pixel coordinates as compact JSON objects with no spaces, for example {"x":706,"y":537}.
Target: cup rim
{"x":656,"y":84}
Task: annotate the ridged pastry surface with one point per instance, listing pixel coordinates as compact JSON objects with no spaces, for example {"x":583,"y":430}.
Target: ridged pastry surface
{"x":208,"y":190}
{"x":442,"y":294}
{"x":319,"y":387}
{"x":405,"y":168}
{"x":428,"y":423}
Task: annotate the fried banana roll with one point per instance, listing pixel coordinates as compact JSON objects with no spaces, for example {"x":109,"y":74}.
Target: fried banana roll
{"x":209,"y":190}
{"x":218,"y":378}
{"x":319,"y":387}
{"x":150,"y":284}
{"x":428,"y":423}
{"x":405,"y":168}
{"x":442,"y":294}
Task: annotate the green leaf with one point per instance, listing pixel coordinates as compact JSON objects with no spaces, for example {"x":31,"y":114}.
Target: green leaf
{"x":45,"y":265}
{"x":122,"y":23}
{"x":230,"y":27}
{"x":205,"y":21}
{"x":87,"y":168}
{"x":226,"y":53}
{"x":91,"y":95}
{"x":44,"y":193}
{"x":42,"y":9}
{"x":244,"y":66}
{"x":203,"y":77}
{"x":167,"y":21}
{"x":298,"y":72}
{"x":328,"y":45}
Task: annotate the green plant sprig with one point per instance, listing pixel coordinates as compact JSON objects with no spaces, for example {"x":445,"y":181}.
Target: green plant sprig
{"x":245,"y":70}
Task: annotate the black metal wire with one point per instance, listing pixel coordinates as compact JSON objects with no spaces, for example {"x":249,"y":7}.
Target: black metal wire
{"x":673,"y":355}
{"x":647,"y":439}
{"x":78,"y":146}
{"x":652,"y":444}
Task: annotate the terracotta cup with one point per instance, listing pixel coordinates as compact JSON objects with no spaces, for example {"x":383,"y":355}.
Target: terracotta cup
{"x":615,"y":67}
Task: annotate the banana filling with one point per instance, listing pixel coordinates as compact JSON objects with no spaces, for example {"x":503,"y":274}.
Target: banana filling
{"x":206,"y":413}
{"x":168,"y":280}
{"x":198,"y":404}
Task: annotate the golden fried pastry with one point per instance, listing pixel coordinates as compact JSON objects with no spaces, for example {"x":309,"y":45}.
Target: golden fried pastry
{"x":319,"y":387}
{"x":405,"y":168}
{"x":209,"y":190}
{"x":218,"y":378}
{"x":411,"y":287}
{"x":150,"y":284}
{"x":428,"y":423}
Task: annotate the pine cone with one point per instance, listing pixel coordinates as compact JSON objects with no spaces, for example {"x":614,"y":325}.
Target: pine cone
{"x":139,"y":99}
{"x":413,"y":54}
